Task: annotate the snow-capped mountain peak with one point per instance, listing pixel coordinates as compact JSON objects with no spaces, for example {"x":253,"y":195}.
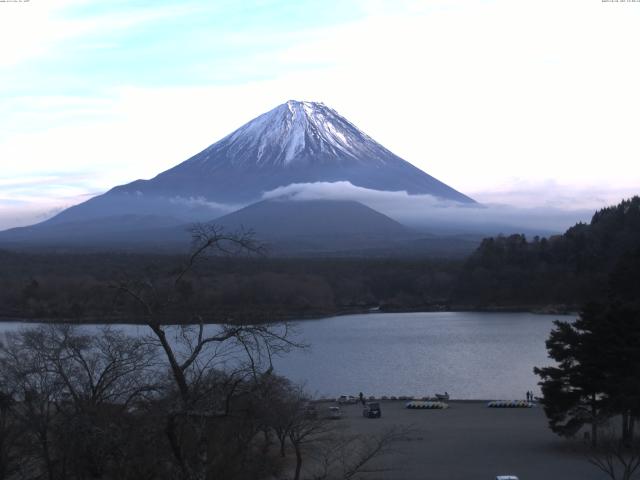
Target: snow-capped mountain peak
{"x":296,"y":142}
{"x":295,"y":133}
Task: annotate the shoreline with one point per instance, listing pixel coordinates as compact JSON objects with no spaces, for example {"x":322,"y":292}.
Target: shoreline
{"x":535,"y":403}
{"x":533,"y":309}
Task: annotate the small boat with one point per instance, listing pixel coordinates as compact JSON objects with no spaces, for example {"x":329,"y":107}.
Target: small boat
{"x":425,"y":405}
{"x":510,"y":404}
{"x":442,"y":396}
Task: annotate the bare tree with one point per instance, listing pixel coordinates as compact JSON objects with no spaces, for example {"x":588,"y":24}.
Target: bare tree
{"x":10,"y":435}
{"x":31,"y":383}
{"x":192,"y":349}
{"x":74,"y":392}
{"x":347,"y":457}
{"x":109,"y":368}
{"x":616,"y":458}
{"x":332,"y":453}
{"x":303,"y":430}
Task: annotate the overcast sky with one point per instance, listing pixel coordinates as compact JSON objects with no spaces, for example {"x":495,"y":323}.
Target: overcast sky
{"x":530,"y":103}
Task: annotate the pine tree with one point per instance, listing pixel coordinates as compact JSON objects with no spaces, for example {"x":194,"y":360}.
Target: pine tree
{"x":574,"y":391}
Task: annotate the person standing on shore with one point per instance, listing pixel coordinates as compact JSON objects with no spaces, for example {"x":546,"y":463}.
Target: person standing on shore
{"x":361,"y":396}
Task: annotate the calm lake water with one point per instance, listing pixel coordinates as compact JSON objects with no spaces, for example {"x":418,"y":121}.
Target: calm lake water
{"x":468,"y":354}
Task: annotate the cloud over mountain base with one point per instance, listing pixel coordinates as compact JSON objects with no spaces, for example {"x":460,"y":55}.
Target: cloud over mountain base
{"x":428,"y":213}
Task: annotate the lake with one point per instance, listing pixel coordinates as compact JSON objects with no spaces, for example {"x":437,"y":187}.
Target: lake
{"x":471,"y":355}
{"x":468,"y":354}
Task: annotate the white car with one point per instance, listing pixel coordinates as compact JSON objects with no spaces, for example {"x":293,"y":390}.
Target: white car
{"x":345,"y":399}
{"x":506,"y":477}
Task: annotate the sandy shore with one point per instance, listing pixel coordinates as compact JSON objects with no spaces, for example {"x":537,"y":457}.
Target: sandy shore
{"x":470,"y":441}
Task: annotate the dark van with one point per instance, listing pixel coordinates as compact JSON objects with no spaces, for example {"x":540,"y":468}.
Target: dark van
{"x":372,"y":410}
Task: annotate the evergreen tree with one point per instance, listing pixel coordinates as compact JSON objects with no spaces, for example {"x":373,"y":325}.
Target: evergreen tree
{"x":598,"y":360}
{"x":574,"y":390}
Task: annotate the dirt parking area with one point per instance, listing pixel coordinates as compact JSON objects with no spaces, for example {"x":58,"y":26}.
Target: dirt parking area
{"x":470,"y":441}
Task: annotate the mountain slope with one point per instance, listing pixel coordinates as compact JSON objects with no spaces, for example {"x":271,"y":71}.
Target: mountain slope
{"x":286,"y":227}
{"x":314,"y":227}
{"x":315,"y":218}
{"x":296,"y":142}
{"x":120,"y":232}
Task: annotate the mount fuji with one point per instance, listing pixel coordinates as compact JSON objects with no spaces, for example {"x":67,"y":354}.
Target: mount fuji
{"x":295,"y":143}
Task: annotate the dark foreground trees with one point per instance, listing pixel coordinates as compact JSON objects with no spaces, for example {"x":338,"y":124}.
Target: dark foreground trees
{"x":186,"y":401}
{"x":596,"y":383}
{"x":574,"y":390}
{"x":596,"y":379}
{"x":597,"y":374}
{"x":199,"y":395}
{"x":79,"y":406}
{"x":617,"y":460}
{"x":68,"y":399}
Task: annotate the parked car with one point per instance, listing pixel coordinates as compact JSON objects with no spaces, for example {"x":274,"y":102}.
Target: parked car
{"x":346,"y":399}
{"x":372,"y":410}
{"x":335,"y":413}
{"x":310,"y":411}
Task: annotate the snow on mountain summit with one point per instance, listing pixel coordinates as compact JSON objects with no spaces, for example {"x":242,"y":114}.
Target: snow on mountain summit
{"x":296,"y":142}
{"x":294,"y":133}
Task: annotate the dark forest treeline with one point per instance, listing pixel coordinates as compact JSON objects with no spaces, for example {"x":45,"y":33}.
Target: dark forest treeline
{"x":593,"y":380}
{"x":505,"y":272}
{"x":571,"y":269}
{"x":78,"y":287}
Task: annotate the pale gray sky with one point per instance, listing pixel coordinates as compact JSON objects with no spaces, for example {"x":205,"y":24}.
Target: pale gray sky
{"x":526,"y":103}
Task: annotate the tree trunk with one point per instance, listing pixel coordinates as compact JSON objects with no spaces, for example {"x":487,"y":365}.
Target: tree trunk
{"x":178,"y":372}
{"x":594,"y":422}
{"x":203,"y":457}
{"x":298,"y":461}
{"x":267,"y":441}
{"x":47,"y":457}
{"x":626,"y":429}
{"x":172,"y":435}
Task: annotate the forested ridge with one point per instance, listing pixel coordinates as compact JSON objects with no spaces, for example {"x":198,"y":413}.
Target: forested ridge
{"x":565,"y":269}
{"x":79,"y":287}
{"x":505,"y":272}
